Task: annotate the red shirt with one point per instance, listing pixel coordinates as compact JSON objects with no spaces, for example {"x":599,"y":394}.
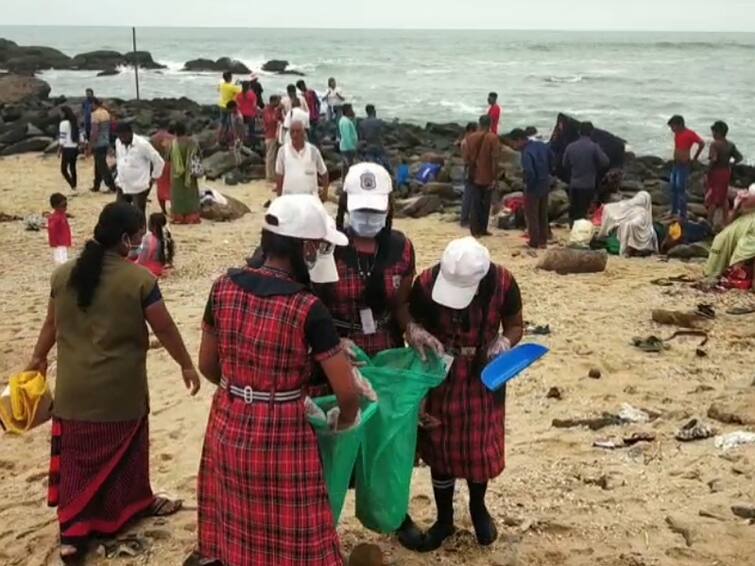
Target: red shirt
{"x":58,"y":230}
{"x":495,"y":117}
{"x":271,"y":119}
{"x":247,"y":104}
{"x":685,"y":139}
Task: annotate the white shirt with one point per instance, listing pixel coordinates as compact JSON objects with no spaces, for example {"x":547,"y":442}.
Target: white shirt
{"x":294,"y":115}
{"x":286,"y":103}
{"x":300,"y":169}
{"x":334,"y":97}
{"x":64,"y":135}
{"x":136,"y":164}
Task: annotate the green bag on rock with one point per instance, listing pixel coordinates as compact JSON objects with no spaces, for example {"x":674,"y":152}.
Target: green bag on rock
{"x":384,"y":468}
{"x":339,"y":451}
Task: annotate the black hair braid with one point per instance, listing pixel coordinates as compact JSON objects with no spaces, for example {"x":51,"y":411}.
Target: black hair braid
{"x":115,"y":220}
{"x":157,"y":222}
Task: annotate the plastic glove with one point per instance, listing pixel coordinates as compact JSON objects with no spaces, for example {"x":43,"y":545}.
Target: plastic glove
{"x":498,"y":346}
{"x":313,"y":410}
{"x":363,"y":386}
{"x":350,"y":348}
{"x":422,"y":341}
{"x":334,"y":416}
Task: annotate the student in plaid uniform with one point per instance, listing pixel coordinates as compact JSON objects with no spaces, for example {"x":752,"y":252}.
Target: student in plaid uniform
{"x":370,"y":300}
{"x":463,"y":302}
{"x":262,"y":495}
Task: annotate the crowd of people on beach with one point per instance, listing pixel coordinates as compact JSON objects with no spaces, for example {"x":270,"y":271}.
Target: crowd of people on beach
{"x":284,"y":327}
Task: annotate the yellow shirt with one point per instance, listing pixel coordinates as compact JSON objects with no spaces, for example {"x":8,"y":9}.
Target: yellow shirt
{"x":228,"y":92}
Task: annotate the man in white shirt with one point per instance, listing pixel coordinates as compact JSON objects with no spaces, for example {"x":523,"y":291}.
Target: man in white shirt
{"x":296,"y":114}
{"x":335,"y":100}
{"x":289,"y":101}
{"x":300,"y":168}
{"x":138,"y":165}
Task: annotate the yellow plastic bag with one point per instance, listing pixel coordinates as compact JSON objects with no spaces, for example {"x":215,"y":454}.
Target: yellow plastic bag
{"x":26,"y":402}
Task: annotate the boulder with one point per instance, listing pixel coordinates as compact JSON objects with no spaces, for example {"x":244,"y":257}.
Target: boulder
{"x":697,"y":209}
{"x":17,"y":88}
{"x":275,"y":66}
{"x":293,"y":73}
{"x":419,"y":207}
{"x":234,"y":210}
{"x":30,"y":59}
{"x":558,"y":203}
{"x":52,"y":148}
{"x":568,"y":260}
{"x":443,"y":190}
{"x":200,"y":65}
{"x":233,"y":65}
{"x":98,"y":60}
{"x":450,"y":130}
{"x":15,"y":134}
{"x":144,"y":59}
{"x":220,"y":163}
{"x":688,"y":251}
{"x":39,"y":143}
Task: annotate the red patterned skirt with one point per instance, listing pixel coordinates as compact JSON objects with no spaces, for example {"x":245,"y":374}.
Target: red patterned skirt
{"x":99,"y":476}
{"x":718,"y":187}
{"x":164,"y":183}
{"x":470,"y":443}
{"x":262,"y":495}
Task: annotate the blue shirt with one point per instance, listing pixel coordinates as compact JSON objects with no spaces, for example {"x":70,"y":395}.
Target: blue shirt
{"x":537,"y":163}
{"x":86,"y":108}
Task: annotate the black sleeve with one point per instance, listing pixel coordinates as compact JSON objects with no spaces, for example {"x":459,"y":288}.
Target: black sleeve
{"x":512,"y":303}
{"x":154,"y":296}
{"x":208,"y":320}
{"x":320,"y":331}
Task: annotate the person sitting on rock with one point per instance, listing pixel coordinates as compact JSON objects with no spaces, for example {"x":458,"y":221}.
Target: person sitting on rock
{"x":632,"y":220}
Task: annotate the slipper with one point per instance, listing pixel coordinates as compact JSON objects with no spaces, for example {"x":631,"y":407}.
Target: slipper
{"x":741,"y":310}
{"x":662,"y":282}
{"x":163,"y":507}
{"x":651,"y":344}
{"x":706,"y":310}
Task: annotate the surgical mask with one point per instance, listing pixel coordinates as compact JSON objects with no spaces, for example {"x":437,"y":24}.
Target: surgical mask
{"x":366,"y":223}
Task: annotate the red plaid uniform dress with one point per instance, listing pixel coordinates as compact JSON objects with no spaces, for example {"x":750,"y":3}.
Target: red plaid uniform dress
{"x":344,"y":299}
{"x":262,"y":496}
{"x":470,"y":442}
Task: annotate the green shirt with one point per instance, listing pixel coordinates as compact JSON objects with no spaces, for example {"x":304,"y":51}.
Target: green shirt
{"x":348,"y":132}
{"x":102,"y":351}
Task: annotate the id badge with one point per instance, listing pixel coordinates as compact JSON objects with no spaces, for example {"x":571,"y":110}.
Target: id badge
{"x":448,"y":361}
{"x":368,"y":321}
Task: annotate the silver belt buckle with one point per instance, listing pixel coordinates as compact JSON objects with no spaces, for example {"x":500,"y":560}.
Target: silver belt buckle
{"x":248,"y":395}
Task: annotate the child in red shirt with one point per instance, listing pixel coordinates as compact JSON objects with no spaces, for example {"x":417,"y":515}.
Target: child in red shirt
{"x":58,"y":229}
{"x":684,"y":140}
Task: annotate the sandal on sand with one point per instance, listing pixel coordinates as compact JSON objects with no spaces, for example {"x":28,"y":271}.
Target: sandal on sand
{"x":649,"y":344}
{"x":163,"y":507}
{"x":741,"y":310}
{"x":73,"y":553}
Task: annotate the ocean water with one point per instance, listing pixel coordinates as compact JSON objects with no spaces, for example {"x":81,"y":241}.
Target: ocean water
{"x":627,"y":82}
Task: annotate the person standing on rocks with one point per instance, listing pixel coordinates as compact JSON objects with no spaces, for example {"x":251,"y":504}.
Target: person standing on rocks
{"x":335,"y":100}
{"x":371,"y":135}
{"x":257,"y":89}
{"x":87,"y":107}
{"x":723,"y":154}
{"x":271,"y":118}
{"x":99,"y":144}
{"x":474,"y":309}
{"x":300,"y":168}
{"x":246,"y":101}
{"x":537,"y":165}
{"x":481,"y":154}
{"x":585,"y":160}
{"x":288,"y":101}
{"x":684,"y":140}
{"x":139,"y":166}
{"x":466,"y":200}
{"x":349,"y":139}
{"x":494,"y":112}
{"x":228,"y":91}
{"x":313,"y":103}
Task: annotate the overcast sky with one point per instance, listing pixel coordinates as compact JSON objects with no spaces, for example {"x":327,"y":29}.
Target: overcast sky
{"x":676,"y":15}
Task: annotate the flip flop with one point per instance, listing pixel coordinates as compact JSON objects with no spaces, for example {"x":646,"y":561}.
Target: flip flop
{"x":651,"y":344}
{"x":163,"y":507}
{"x":741,"y":310}
{"x":706,"y":310}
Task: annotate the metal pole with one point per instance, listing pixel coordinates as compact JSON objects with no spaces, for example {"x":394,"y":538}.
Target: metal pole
{"x":136,"y":62}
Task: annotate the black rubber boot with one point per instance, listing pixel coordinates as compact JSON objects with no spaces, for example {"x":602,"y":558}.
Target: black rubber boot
{"x":409,"y":535}
{"x":484,"y":526}
{"x":443,"y":489}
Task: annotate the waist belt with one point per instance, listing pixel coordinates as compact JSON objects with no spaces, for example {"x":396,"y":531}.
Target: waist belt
{"x":357,"y":326}
{"x":249,"y":395}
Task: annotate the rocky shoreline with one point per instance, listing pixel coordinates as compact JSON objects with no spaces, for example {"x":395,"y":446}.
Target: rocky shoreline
{"x":29,"y":122}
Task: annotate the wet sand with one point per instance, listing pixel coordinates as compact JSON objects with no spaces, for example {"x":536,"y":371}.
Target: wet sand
{"x":560,"y":501}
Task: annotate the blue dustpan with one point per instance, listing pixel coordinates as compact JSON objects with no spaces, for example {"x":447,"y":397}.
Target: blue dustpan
{"x":510,"y":364}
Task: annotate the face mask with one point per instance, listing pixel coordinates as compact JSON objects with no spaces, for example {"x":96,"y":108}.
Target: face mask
{"x":367,"y":224}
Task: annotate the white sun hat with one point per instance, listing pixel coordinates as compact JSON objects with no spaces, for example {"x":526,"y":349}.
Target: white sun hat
{"x":464,"y":264}
{"x":368,"y":186}
{"x":302,"y":217}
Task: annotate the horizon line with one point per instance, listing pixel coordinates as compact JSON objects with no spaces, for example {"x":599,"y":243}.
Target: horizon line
{"x":381,"y":28}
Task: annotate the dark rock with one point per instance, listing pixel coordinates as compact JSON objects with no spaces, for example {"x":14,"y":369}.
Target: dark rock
{"x":558,"y":202}
{"x":17,"y":88}
{"x":594,"y":373}
{"x":15,"y":135}
{"x":450,"y":130}
{"x":200,"y":65}
{"x":233,"y":178}
{"x":30,"y":59}
{"x":593,"y":423}
{"x":28,"y":145}
{"x":742,"y":414}
{"x":98,"y":60}
{"x":220,"y":163}
{"x":292,"y":73}
{"x":233,"y":65}
{"x":275,"y":66}
{"x":365,"y":554}
{"x":443,"y":190}
{"x":685,"y":251}
{"x":144,"y":59}
{"x":745,"y":511}
{"x":569,"y":260}
{"x":419,"y":207}
{"x":108,"y":72}
{"x":554,"y":393}
{"x":234,"y":210}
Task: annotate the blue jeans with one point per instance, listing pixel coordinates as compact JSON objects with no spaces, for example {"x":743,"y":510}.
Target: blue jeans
{"x":678,"y":184}
{"x":466,"y":204}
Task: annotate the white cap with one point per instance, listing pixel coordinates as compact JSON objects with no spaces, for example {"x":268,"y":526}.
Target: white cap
{"x":302,"y":217}
{"x":325,"y":269}
{"x":368,"y":186}
{"x":464,"y":264}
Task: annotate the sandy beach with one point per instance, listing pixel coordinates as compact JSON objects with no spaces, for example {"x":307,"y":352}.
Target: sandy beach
{"x":560,"y":501}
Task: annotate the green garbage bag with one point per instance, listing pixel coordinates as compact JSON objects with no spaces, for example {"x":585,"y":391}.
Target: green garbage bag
{"x":339,"y":451}
{"x":613,"y":246}
{"x":384,"y":469}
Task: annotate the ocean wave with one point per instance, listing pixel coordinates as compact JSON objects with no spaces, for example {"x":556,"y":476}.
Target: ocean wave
{"x":459,"y":106}
{"x":565,"y":79}
{"x":426,"y":72}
